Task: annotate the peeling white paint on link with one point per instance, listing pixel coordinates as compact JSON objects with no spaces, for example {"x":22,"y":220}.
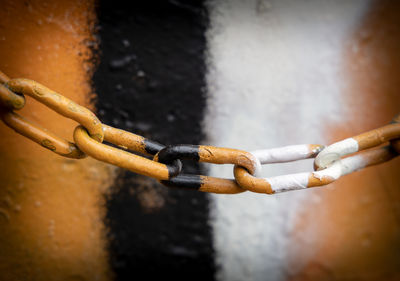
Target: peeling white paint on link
{"x":285,"y":153}
{"x":336,"y":150}
{"x":273,"y":79}
{"x":288,"y":182}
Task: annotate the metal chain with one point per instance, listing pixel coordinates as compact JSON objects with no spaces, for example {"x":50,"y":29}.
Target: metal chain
{"x":164,"y":163}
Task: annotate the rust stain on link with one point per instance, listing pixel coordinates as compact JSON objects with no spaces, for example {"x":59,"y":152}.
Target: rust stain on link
{"x":221,"y":155}
{"x":11,"y":100}
{"x":120,"y":158}
{"x":60,"y":104}
{"x":204,"y":184}
{"x":208,"y":154}
{"x":251,"y":183}
{"x":124,"y":139}
{"x":220,"y":186}
{"x":41,"y":136}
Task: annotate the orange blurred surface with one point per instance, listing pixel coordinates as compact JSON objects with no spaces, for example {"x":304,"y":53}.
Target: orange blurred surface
{"x":352,"y":231}
{"x":51,"y":208}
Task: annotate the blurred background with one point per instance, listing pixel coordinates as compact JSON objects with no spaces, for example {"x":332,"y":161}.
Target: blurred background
{"x":250,"y":75}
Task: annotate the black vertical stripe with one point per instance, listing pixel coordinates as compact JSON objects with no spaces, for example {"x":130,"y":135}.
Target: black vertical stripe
{"x":149,"y":81}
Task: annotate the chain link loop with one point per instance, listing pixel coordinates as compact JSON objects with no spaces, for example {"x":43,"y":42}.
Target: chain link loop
{"x":278,"y":155}
{"x":207,"y":154}
{"x":124,"y":159}
{"x":357,"y":143}
{"x":19,"y":124}
{"x":166,"y":164}
{"x":59,"y":104}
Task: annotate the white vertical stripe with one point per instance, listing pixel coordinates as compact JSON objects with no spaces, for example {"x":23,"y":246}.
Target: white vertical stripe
{"x":273,"y":79}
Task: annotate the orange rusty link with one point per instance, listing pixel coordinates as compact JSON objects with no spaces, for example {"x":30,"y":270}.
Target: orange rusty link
{"x":205,"y":184}
{"x":121,"y":158}
{"x":32,"y":131}
{"x":59,"y":104}
{"x":220,"y":155}
{"x":41,"y":136}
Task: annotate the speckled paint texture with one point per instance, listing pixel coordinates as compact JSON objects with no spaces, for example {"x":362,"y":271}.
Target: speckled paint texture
{"x":51,"y":208}
{"x":150,"y":81}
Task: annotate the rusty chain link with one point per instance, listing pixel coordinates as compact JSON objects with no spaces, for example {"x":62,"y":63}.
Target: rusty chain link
{"x":164,"y":162}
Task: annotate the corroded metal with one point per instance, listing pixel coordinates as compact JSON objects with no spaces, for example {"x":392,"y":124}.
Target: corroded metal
{"x":124,"y":159}
{"x":41,"y":136}
{"x":207,"y":154}
{"x":60,"y":104}
{"x":166,"y":165}
{"x":11,"y":100}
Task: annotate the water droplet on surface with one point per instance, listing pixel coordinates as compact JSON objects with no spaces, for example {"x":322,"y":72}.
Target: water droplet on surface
{"x":126,"y":43}
{"x":152,"y":85}
{"x":115,"y":121}
{"x":120,"y":63}
{"x":123,"y":113}
{"x":171,"y":117}
{"x":182,"y":251}
{"x":129,"y":124}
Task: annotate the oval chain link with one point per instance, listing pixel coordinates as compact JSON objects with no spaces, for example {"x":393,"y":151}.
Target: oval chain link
{"x":207,"y":154}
